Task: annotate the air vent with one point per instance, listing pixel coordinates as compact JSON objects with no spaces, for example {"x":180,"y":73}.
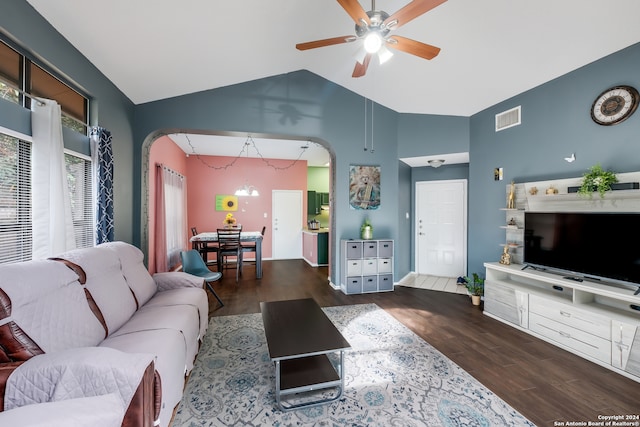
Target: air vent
{"x":508,"y":119}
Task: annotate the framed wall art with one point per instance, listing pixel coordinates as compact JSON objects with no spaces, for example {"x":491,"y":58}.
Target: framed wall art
{"x":226,"y":202}
{"x":364,"y":187}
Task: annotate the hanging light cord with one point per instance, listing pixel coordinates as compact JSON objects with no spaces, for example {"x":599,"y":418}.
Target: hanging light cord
{"x":245,"y":148}
{"x":366,"y":117}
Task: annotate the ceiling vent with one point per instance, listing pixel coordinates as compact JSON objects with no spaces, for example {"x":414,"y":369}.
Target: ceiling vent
{"x":508,"y":118}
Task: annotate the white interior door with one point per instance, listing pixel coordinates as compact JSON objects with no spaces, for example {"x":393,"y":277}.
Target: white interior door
{"x":441,"y":228}
{"x":286,"y":214}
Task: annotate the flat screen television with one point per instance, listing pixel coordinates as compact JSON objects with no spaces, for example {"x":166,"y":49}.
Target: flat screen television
{"x":585,"y":245}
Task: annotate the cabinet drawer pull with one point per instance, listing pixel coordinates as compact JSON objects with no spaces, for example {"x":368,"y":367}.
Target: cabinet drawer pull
{"x":564,"y":334}
{"x":565,"y":314}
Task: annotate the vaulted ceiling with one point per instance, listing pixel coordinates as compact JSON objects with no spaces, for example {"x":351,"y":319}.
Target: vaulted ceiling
{"x":491,"y":50}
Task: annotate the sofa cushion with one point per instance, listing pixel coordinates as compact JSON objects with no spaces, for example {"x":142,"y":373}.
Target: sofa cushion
{"x":169,"y":349}
{"x":196,"y":297}
{"x":71,"y":374}
{"x":48,"y":304}
{"x":106,"y":284}
{"x":95,"y":411}
{"x":134,"y":271}
{"x":182,"y":318}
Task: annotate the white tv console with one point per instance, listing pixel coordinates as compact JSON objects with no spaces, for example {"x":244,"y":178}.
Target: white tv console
{"x":596,"y":321}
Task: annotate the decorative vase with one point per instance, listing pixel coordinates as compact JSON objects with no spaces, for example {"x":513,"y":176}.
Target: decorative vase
{"x":475,"y":299}
{"x":366,"y":233}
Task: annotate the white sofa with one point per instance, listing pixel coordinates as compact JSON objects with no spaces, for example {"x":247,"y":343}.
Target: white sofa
{"x":93,"y":324}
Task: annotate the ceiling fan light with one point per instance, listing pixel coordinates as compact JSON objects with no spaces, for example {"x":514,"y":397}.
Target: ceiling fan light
{"x":384,"y":55}
{"x":360,"y":54}
{"x":372,"y":42}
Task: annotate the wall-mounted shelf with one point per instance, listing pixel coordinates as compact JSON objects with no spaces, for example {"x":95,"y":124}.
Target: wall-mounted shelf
{"x":613,"y":201}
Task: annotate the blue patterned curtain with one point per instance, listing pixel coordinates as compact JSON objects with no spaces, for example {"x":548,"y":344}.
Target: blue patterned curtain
{"x":102,"y":157}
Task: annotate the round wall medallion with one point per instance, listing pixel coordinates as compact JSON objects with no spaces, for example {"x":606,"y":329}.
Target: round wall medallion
{"x":615,"y":105}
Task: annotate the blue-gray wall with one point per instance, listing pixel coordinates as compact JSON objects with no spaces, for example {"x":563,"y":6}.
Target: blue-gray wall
{"x":555,"y":117}
{"x":110,"y":108}
{"x":303,"y":105}
{"x":556,"y":122}
{"x":424,"y":135}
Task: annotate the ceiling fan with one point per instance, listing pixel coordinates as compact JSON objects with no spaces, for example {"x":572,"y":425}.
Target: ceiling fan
{"x":374,"y":26}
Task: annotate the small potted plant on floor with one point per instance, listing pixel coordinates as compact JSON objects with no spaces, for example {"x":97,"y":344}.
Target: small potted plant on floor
{"x":475,"y":287}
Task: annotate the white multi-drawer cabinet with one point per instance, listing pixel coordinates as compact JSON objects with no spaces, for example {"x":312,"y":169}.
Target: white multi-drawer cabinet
{"x":366,"y":266}
{"x":593,"y":320}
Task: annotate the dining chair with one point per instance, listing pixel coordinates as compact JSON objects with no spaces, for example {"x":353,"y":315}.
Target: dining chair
{"x":205,"y":248}
{"x":192,"y":263}
{"x":229,"y":246}
{"x":251,"y":247}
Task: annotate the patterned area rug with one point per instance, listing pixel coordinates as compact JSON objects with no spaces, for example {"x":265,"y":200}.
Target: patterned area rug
{"x":392,"y":378}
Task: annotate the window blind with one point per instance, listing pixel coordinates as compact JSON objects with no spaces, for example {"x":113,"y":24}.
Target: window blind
{"x":15,"y":200}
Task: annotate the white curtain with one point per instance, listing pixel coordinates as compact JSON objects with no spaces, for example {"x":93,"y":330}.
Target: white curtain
{"x":52,"y":222}
{"x":175,"y":215}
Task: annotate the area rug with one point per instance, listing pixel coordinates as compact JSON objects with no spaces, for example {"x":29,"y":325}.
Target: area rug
{"x":392,"y":378}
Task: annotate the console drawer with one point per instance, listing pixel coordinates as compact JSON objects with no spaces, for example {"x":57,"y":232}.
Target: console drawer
{"x":578,"y":340}
{"x":354,"y":267}
{"x":574,"y":317}
{"x":385,"y":248}
{"x":384,"y":265}
{"x":369,"y":266}
{"x":370,"y":249}
{"x":385,"y":282}
{"x":370,"y":284}
{"x":506,"y":303}
{"x":354,"y":250}
{"x":354,"y":285}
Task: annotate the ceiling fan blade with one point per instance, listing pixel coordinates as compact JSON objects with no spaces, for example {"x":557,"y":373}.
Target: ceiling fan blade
{"x":410,"y":11}
{"x":325,"y":42}
{"x":355,"y":11}
{"x":361,"y":68}
{"x":413,"y":47}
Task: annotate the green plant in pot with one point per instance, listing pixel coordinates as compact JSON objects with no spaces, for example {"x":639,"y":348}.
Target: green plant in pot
{"x":366,"y":230}
{"x":475,"y":286}
{"x":597,"y":179}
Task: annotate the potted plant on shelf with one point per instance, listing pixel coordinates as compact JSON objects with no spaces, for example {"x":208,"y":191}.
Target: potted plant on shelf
{"x":475,"y":287}
{"x":366,"y":230}
{"x":597,"y":179}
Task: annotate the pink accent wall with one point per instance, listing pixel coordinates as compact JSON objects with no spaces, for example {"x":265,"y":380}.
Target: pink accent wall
{"x":166,"y":152}
{"x":204,"y":182}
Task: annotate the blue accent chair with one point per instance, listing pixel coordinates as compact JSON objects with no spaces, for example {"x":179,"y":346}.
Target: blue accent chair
{"x":193,"y":263}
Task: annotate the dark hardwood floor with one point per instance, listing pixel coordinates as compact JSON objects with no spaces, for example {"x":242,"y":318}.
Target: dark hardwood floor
{"x":544,"y":383}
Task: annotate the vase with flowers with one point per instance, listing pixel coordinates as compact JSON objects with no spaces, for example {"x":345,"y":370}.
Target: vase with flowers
{"x":229,"y":221}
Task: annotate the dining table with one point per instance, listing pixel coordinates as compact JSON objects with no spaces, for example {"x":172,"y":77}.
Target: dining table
{"x":245,"y":236}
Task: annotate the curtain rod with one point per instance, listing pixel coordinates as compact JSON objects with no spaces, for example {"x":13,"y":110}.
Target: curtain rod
{"x":39,"y":100}
{"x":160,"y":165}
{"x":22,"y":92}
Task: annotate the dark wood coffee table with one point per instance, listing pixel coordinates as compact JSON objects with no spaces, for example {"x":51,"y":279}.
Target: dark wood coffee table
{"x":300,"y":338}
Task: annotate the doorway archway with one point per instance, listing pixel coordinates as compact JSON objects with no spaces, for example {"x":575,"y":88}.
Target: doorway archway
{"x":146,"y":208}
